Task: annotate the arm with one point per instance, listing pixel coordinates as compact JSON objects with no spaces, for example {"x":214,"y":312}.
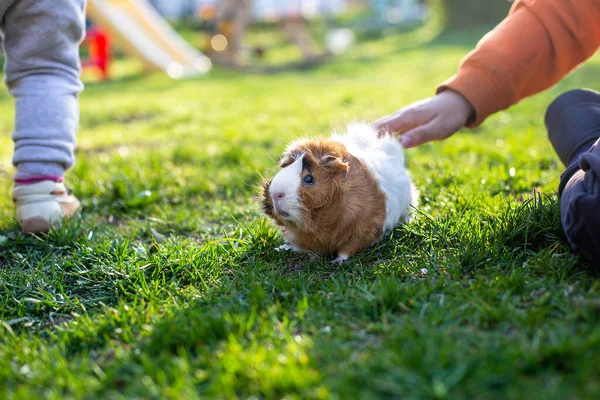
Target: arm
{"x":538,"y":44}
{"x":533,"y":48}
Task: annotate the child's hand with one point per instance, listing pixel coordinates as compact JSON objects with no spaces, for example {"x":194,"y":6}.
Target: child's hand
{"x":435,"y":118}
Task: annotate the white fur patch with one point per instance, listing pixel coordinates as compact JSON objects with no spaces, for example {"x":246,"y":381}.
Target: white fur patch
{"x":287,"y":181}
{"x":384,"y":157}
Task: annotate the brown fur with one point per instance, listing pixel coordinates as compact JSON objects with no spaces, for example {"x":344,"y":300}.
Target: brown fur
{"x":344,"y":211}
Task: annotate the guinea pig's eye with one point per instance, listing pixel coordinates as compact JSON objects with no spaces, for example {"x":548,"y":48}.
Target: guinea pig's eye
{"x":309,"y":180}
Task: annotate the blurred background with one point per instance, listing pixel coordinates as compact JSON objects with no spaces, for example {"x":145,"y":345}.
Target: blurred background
{"x":186,"y":37}
{"x":262,"y":73}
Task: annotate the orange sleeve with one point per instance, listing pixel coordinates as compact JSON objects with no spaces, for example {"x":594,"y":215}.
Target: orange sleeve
{"x":532,"y":49}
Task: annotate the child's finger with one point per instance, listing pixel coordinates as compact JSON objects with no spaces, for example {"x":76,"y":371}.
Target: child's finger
{"x":419,"y":135}
{"x":401,"y":121}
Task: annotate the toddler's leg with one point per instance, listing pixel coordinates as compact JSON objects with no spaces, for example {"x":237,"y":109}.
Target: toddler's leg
{"x":41,"y":43}
{"x":573,"y":122}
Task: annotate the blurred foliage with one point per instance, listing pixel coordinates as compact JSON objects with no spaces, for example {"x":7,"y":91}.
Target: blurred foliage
{"x":461,"y":14}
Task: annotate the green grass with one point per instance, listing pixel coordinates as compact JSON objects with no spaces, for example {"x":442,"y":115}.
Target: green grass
{"x":169,"y":286}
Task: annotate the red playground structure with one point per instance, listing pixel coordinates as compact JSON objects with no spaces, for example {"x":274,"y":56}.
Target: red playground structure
{"x":99,"y":57}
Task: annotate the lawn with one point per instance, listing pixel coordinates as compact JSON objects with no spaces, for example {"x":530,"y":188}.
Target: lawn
{"x":169,"y":286}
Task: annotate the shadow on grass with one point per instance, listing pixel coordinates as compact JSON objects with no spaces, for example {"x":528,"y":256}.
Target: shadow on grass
{"x":84,"y":267}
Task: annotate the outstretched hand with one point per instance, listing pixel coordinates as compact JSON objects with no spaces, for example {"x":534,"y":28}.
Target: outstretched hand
{"x":435,"y":118}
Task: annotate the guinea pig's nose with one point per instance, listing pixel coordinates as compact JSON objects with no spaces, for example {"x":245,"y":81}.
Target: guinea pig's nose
{"x":279,"y":195}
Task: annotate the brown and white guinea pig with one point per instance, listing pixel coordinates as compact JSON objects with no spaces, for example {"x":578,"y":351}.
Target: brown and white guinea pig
{"x":340,"y":195}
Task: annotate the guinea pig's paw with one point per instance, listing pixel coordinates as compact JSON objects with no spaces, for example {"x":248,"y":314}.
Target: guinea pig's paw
{"x":340,"y":258}
{"x":286,"y":247}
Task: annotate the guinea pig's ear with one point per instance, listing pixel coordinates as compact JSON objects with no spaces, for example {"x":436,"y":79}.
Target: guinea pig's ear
{"x":290,"y":157}
{"x":287,"y":160}
{"x":333,"y":162}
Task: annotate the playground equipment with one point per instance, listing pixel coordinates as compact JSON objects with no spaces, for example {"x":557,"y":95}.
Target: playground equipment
{"x":98,"y":44}
{"x":233,"y":18}
{"x":138,"y":30}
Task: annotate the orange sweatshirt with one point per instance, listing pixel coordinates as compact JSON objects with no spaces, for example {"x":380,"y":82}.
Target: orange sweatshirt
{"x":539,"y":42}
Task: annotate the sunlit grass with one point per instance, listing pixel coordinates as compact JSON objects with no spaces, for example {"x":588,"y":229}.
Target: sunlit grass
{"x":169,"y":285}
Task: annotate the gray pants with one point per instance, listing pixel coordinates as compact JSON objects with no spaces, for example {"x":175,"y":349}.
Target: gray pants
{"x":41,"y":44}
{"x":573,"y":122}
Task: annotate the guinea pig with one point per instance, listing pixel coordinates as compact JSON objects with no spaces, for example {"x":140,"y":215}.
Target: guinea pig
{"x":340,"y":195}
